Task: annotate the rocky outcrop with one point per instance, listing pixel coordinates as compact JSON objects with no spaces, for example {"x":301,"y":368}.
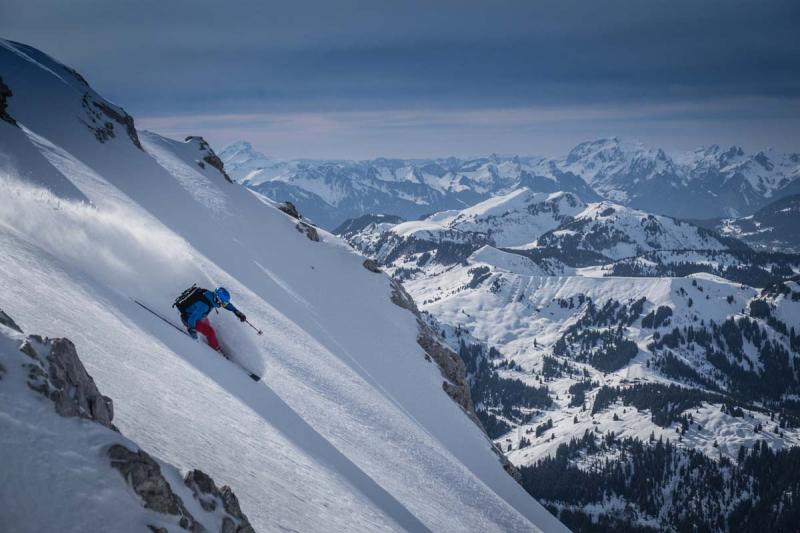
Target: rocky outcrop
{"x":508,"y":466}
{"x":9,"y":322}
{"x":144,"y":476}
{"x":5,"y":94}
{"x":308,"y":230}
{"x":99,"y":114}
{"x":303,"y":227}
{"x":57,"y":373}
{"x":450,"y":364}
{"x":372,"y":266}
{"x":231,"y":505}
{"x":122,"y":118}
{"x":209,"y":156}
{"x":211,"y":498}
{"x":290,"y":209}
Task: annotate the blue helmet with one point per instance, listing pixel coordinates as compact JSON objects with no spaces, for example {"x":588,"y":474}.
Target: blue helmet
{"x":223,"y":296}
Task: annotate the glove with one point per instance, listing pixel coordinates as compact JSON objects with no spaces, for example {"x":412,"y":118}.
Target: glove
{"x":193,"y":333}
{"x":241,"y":316}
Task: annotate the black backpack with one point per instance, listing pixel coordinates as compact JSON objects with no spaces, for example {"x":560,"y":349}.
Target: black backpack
{"x":189,"y":297}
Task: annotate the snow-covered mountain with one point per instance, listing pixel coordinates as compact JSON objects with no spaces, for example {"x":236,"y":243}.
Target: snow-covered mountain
{"x":517,"y":218}
{"x":774,"y":227}
{"x":740,"y":181}
{"x":615,"y":232}
{"x":675,"y":346}
{"x":705,"y":183}
{"x":622,"y":172}
{"x":330,"y":192}
{"x":354,"y":424}
{"x":538,"y":225}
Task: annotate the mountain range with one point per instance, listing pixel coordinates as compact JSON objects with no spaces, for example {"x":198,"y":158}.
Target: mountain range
{"x":607,"y":348}
{"x":707,"y":183}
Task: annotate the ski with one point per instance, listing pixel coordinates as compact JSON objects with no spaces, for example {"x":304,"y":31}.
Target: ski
{"x":254,"y":377}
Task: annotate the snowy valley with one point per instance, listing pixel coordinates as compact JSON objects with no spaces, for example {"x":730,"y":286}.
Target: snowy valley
{"x":609,"y":348}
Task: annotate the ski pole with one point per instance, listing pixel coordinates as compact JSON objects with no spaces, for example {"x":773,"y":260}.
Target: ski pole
{"x":255,"y":328}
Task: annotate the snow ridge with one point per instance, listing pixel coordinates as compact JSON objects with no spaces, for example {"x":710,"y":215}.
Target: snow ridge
{"x":351,"y":428}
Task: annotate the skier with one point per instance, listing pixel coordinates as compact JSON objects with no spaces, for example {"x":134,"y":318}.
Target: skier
{"x":195,"y":303}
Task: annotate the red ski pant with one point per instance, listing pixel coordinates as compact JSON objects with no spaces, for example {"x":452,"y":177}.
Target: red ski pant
{"x":205,"y":328}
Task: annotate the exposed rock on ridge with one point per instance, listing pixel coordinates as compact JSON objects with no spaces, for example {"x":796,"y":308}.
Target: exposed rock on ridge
{"x":5,"y":94}
{"x":210,"y":156}
{"x":60,"y":376}
{"x":450,"y":364}
{"x":56,"y":372}
{"x":103,"y":129}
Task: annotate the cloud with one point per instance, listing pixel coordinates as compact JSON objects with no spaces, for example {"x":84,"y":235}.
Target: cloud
{"x":534,"y":130}
{"x":313,"y":58}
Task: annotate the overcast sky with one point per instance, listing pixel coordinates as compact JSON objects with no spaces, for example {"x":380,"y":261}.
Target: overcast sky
{"x":358,"y":79}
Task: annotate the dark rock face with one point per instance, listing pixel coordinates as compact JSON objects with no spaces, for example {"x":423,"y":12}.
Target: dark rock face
{"x":5,"y":94}
{"x":60,"y":376}
{"x":9,"y":322}
{"x":372,"y":266}
{"x":203,"y":488}
{"x":99,"y":114}
{"x":210,"y":498}
{"x":144,"y":476}
{"x":308,"y":230}
{"x":122,"y":118}
{"x":210,"y":156}
{"x":231,"y":505}
{"x":303,"y":227}
{"x":290,"y":209}
{"x":450,"y":364}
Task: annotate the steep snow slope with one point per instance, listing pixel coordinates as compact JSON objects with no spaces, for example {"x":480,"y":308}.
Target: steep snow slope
{"x":351,"y":428}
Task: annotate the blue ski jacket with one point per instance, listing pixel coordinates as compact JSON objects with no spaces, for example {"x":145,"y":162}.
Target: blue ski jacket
{"x":202,"y":307}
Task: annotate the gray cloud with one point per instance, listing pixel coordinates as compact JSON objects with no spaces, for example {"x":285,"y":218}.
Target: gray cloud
{"x":180,"y":58}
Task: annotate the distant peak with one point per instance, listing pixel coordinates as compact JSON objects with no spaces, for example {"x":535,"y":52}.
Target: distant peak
{"x":734,"y":151}
{"x":238,"y":146}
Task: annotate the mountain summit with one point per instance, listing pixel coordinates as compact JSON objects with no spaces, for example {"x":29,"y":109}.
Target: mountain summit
{"x":705,"y":183}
